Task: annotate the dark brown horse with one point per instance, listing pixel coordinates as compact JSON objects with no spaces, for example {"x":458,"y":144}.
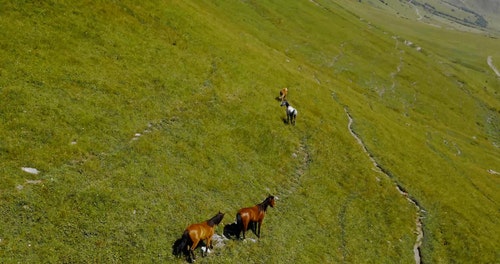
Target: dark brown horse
{"x":193,"y":235}
{"x":252,"y":217}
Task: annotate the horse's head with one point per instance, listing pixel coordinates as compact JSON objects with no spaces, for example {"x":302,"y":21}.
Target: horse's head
{"x":216,"y":219}
{"x":270,"y":200}
{"x":285,"y":103}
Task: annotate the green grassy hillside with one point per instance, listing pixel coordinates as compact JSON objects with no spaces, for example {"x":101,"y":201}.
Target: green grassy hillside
{"x":143,"y":118}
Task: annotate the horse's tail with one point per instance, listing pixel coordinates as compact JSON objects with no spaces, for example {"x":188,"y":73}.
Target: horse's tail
{"x":239,"y":221}
{"x":181,"y":245}
{"x":234,"y":229}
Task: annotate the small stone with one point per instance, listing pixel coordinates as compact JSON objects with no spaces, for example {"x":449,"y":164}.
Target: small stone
{"x":30,"y":170}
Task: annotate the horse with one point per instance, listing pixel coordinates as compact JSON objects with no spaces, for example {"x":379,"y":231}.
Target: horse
{"x":193,"y":235}
{"x":291,"y":113}
{"x":283,"y":94}
{"x":252,"y":217}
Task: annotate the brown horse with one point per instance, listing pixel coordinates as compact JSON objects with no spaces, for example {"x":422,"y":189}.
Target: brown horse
{"x":252,"y":217}
{"x":193,"y":235}
{"x":283,"y":94}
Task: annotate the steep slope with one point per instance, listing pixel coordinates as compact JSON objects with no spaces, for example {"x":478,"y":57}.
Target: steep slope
{"x":143,"y":118}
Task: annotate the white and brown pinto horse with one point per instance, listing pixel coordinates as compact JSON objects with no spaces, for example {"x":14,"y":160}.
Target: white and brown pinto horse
{"x":291,"y":113}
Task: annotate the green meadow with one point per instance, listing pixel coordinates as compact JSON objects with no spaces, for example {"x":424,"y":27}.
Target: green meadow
{"x":142,"y":117}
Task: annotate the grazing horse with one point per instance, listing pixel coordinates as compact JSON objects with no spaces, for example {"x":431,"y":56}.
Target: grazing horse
{"x":291,"y":113}
{"x":252,"y":217}
{"x":283,"y":94}
{"x":193,"y":235}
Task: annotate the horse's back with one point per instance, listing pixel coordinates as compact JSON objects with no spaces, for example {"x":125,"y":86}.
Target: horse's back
{"x":248,"y":211}
{"x":251,"y":213}
{"x":200,"y":231}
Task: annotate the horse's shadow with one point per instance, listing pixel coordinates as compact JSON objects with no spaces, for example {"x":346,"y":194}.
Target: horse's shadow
{"x":233,"y":231}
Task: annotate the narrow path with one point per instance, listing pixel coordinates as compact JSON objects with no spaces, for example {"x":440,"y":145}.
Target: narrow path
{"x":401,"y":190}
{"x":489,"y":60}
{"x":342,"y":222}
{"x":303,"y":160}
{"x":418,"y":14}
{"x":395,"y":73}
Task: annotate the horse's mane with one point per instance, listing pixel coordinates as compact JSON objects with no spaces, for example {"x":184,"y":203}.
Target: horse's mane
{"x":215,"y":220}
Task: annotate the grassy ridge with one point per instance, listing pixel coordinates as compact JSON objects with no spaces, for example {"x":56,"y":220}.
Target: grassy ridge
{"x":197,"y":81}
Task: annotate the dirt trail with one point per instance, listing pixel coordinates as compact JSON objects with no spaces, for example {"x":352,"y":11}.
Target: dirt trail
{"x":401,"y":190}
{"x":489,"y":60}
{"x":420,"y":17}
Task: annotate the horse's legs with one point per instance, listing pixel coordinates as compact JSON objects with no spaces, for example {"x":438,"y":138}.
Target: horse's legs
{"x":258,"y":228}
{"x":193,"y":247}
{"x":245,"y":227}
{"x":208,"y":244}
{"x":190,"y":257}
{"x":253,"y":226}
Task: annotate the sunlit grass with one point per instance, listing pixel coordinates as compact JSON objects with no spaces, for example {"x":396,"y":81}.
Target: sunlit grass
{"x":143,"y":118}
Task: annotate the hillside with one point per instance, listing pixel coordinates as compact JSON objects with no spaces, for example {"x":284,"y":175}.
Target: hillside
{"x":125,"y":121}
{"x":471,"y":16}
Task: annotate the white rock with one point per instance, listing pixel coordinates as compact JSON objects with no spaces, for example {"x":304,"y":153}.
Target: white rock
{"x":30,"y":170}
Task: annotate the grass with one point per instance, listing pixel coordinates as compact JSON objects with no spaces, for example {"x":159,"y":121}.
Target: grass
{"x":144,"y":118}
